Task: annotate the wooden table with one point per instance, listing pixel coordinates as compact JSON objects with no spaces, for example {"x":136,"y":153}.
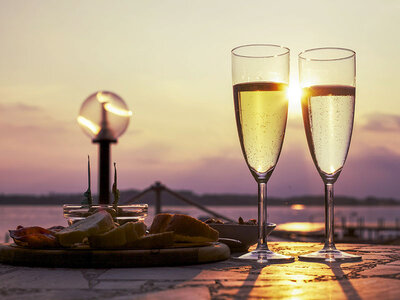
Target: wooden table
{"x":376,"y":277}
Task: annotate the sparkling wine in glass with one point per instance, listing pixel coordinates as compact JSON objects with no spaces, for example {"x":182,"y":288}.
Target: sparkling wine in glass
{"x":328,"y":81}
{"x":260,"y":75}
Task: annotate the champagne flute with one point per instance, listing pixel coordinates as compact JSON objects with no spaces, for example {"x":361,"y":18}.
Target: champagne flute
{"x":260,"y":75}
{"x":328,"y":81}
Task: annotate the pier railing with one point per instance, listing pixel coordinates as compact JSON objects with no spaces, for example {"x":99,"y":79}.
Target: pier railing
{"x":370,"y":232}
{"x":158,"y":188}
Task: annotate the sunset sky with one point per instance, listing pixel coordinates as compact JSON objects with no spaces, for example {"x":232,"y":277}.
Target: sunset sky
{"x":170,"y":61}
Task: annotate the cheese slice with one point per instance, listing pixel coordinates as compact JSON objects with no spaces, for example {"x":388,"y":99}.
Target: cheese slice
{"x":95,"y":224}
{"x":118,"y":237}
{"x":154,"y":241}
{"x":138,"y":230}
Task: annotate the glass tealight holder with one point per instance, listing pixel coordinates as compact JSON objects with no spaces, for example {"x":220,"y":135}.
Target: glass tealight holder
{"x":121,"y":214}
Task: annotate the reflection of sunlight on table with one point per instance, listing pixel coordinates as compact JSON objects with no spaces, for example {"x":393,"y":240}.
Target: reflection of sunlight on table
{"x":296,"y":287}
{"x":285,"y":281}
{"x":281,"y":281}
{"x":299,"y":280}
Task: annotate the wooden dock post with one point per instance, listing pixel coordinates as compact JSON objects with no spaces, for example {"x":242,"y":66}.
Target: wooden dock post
{"x":158,"y":188}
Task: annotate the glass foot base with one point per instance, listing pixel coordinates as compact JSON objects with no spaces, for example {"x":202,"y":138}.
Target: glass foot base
{"x":330,"y":255}
{"x":265,"y":256}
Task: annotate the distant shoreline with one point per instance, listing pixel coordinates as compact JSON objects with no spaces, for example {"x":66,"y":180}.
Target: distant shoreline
{"x":206,"y":199}
{"x":208,"y":205}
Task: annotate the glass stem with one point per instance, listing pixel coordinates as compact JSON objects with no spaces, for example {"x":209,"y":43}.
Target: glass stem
{"x":262,"y":216}
{"x":329,"y":217}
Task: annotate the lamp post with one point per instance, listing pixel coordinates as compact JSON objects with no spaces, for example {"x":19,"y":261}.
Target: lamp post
{"x":104,"y":116}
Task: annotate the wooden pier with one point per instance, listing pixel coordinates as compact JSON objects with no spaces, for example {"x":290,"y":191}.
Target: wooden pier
{"x":378,"y":232}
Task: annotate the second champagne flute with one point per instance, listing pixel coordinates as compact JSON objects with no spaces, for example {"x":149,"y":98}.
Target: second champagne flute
{"x":328,"y":80}
{"x":260,"y":75}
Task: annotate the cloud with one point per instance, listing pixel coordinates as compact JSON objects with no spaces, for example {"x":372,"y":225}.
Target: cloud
{"x":19,"y":107}
{"x":31,"y":123}
{"x":370,"y":172}
{"x":150,"y":153}
{"x":382,"y":122}
{"x":293,"y":175}
{"x":370,"y":169}
{"x":373,"y":171}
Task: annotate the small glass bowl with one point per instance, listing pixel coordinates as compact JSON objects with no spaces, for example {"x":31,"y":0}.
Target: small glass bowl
{"x":121,"y":215}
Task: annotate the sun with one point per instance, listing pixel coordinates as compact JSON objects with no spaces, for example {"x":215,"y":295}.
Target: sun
{"x":294,"y":95}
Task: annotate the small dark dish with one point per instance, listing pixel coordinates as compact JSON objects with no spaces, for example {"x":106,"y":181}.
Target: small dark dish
{"x":246,"y":234}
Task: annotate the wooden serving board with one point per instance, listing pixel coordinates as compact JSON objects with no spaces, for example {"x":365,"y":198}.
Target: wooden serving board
{"x":89,"y":258}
